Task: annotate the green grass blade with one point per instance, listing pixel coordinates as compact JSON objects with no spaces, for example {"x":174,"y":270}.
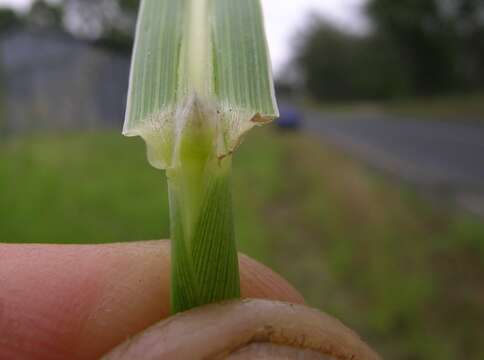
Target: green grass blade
{"x":153,"y":84}
{"x":242,"y":74}
{"x":242,"y":69}
{"x":200,"y":79}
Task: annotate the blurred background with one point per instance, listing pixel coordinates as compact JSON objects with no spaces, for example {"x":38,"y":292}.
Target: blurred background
{"x":370,"y":188}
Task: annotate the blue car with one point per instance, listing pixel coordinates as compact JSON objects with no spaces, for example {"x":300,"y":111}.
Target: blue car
{"x":290,"y":118}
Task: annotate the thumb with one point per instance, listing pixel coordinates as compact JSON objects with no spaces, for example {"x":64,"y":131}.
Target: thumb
{"x":246,"y":329}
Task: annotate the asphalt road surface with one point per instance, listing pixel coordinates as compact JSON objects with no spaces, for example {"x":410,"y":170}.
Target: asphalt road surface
{"x":438,"y":156}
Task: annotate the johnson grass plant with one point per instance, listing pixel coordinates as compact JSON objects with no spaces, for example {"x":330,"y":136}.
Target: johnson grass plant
{"x":200,"y":79}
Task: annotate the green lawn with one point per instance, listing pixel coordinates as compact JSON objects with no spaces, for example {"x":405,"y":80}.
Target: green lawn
{"x":404,"y":274}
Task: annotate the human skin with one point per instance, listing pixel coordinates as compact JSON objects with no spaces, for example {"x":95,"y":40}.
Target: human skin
{"x":244,"y":330}
{"x":79,"y":301}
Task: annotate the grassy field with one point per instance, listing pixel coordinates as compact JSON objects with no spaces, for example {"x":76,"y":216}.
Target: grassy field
{"x":470,"y":107}
{"x":450,"y":108}
{"x":404,"y":274}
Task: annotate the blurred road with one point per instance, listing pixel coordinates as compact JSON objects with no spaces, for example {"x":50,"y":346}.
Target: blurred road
{"x":442,"y":157}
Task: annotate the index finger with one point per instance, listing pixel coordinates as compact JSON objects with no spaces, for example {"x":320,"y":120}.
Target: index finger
{"x":79,"y":301}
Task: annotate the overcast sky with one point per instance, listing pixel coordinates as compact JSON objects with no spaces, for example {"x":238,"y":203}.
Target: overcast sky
{"x":284,"y":18}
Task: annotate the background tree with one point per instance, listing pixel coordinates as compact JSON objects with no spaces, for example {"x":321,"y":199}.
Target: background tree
{"x":414,"y":48}
{"x":45,"y":14}
{"x":337,"y":65}
{"x":111,"y":23}
{"x":440,"y":40}
{"x":8,"y":19}
{"x":468,"y":20}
